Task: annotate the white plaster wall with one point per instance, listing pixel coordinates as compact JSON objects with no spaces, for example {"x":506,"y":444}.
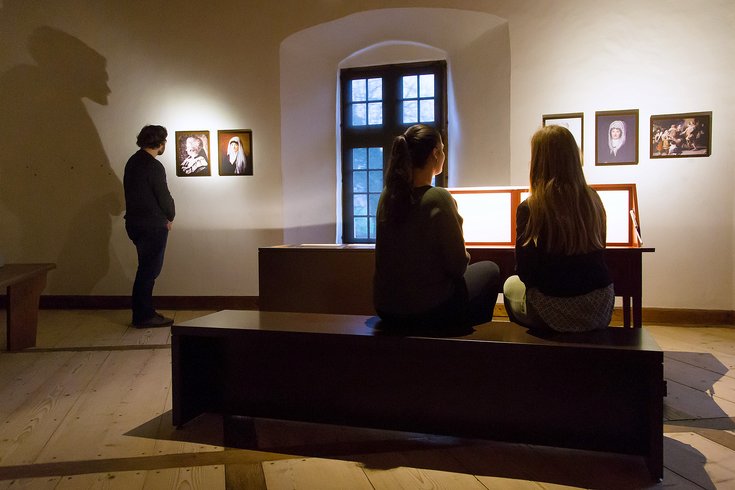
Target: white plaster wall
{"x":480,"y":119}
{"x":660,"y":58}
{"x":473,"y":45}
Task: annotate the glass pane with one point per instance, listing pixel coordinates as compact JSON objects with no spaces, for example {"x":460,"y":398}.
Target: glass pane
{"x":372,"y":228}
{"x":410,"y":85}
{"x":426,"y":86}
{"x":376,"y":181}
{"x":359,"y":158}
{"x":359,"y":90}
{"x":361,"y":227}
{"x":375,"y":113}
{"x":375,"y":158}
{"x":410,"y":112}
{"x":374,"y":198}
{"x":375,"y":89}
{"x":360,"y":205}
{"x":360,"y":182}
{"x":427,"y":110}
{"x":359,"y":114}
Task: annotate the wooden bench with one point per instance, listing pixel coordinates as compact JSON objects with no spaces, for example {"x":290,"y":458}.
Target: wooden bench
{"x":598,"y":391}
{"x":24,"y":284}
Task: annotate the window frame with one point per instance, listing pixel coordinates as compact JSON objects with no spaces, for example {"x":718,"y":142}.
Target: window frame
{"x":373,"y":136}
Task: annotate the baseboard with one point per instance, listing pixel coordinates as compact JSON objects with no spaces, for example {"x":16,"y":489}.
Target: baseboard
{"x":653,"y":316}
{"x":676,"y":316}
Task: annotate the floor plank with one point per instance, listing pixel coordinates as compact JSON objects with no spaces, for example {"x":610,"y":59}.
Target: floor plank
{"x":90,"y":407}
{"x":704,"y":360}
{"x":407,"y":471}
{"x":695,"y":404}
{"x":74,"y":328}
{"x":96,"y":426}
{"x":197,"y":477}
{"x":46,"y":483}
{"x":315,"y":474}
{"x":125,"y":480}
{"x":245,"y":476}
{"x":701,"y":461}
{"x":30,"y":426}
{"x":712,"y":383}
{"x":22,"y":374}
{"x":720,"y":340}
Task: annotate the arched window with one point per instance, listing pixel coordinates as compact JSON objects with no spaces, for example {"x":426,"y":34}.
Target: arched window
{"x":377,"y":104}
{"x":476,"y":48}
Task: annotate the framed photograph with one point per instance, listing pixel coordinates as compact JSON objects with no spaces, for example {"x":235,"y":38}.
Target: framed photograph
{"x":192,"y":154}
{"x":681,"y":135}
{"x":235,"y":151}
{"x":574,"y":122}
{"x":616,"y":137}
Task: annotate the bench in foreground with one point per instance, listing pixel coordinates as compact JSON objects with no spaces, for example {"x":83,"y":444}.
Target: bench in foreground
{"x":599,"y":391}
{"x":24,"y":284}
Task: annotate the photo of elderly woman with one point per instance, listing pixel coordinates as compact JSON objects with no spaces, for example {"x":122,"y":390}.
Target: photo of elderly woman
{"x":616,"y":137}
{"x":235,"y":152}
{"x":192,"y":153}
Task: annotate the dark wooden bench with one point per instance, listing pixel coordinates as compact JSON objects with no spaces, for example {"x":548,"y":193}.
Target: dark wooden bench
{"x":598,"y":391}
{"x":24,"y":284}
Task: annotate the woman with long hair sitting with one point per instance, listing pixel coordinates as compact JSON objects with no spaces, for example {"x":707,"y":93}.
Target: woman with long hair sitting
{"x":563,"y":282}
{"x":422,"y":276}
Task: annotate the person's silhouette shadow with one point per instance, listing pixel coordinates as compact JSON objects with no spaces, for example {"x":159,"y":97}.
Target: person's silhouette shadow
{"x":55,"y":177}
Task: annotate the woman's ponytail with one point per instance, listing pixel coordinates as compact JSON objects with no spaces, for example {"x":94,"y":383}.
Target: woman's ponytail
{"x":410,"y":150}
{"x":398,"y":182}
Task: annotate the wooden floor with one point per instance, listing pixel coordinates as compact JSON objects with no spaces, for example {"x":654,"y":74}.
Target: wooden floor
{"x":90,"y":407}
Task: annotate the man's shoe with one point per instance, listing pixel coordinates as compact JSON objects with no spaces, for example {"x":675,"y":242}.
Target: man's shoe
{"x":170,"y":320}
{"x":154,"y":321}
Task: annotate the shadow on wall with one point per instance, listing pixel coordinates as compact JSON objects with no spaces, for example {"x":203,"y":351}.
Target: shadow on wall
{"x":55,"y":177}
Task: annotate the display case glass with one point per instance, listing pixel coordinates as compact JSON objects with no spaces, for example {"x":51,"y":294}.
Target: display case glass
{"x":489,"y":213}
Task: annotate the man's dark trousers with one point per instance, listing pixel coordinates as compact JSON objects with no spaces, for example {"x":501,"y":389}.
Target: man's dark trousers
{"x":150,"y":242}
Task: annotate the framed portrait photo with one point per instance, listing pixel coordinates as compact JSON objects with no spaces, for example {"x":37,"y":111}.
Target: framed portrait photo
{"x":616,"y":137}
{"x":235,"y":151}
{"x":573,"y":121}
{"x":681,"y":135}
{"x":192,"y":154}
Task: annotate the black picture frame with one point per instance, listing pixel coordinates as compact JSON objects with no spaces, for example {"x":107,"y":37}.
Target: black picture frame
{"x":235,"y":161}
{"x":573,"y":121}
{"x":192,"y":154}
{"x":620,"y":150}
{"x":684,"y":135}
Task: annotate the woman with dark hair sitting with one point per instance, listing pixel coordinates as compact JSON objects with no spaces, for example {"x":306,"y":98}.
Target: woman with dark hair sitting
{"x":563,"y":283}
{"x":422,"y":276}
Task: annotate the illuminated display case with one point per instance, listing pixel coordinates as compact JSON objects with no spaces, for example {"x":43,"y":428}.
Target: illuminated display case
{"x":489,"y":213}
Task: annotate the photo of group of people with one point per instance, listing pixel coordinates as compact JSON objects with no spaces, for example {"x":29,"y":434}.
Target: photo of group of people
{"x":681,"y":135}
{"x":193,"y":153}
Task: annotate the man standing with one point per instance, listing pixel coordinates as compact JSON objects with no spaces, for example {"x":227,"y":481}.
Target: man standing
{"x":149,"y":213}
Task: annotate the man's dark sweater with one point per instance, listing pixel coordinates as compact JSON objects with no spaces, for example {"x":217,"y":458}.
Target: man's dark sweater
{"x":148,"y":201}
